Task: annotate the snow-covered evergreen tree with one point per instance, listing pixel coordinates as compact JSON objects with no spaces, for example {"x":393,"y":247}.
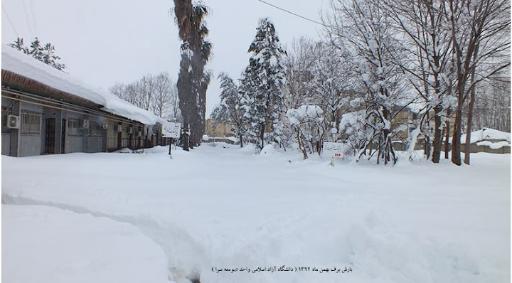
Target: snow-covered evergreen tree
{"x":45,"y":54}
{"x":231,"y":109}
{"x":262,"y":85}
{"x":19,"y":45}
{"x":49,"y":57}
{"x":247,"y":89}
{"x":36,"y":49}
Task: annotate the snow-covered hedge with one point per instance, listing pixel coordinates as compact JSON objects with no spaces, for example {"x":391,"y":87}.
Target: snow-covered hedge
{"x":487,"y":134}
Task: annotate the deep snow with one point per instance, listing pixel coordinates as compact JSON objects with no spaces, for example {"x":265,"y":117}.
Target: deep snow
{"x":219,"y":206}
{"x":45,"y":244}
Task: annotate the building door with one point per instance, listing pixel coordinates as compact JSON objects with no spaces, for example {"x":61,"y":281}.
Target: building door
{"x":49,"y":140}
{"x":63,"y":137}
{"x":119,"y":139}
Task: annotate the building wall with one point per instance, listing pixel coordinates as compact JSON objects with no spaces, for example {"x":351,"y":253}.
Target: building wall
{"x":30,"y":141}
{"x":218,"y":129}
{"x":139,"y":136}
{"x":54,"y":130}
{"x":74,"y":138}
{"x":9,"y":136}
{"x":35,"y":142}
{"x":6,"y":144}
{"x":95,"y":135}
{"x":112,"y":136}
{"x":125,"y":135}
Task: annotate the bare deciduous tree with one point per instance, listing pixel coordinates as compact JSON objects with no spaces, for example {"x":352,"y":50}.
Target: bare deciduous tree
{"x":478,"y":34}
{"x":154,"y":93}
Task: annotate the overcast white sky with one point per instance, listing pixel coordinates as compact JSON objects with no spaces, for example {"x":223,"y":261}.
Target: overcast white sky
{"x":107,"y":41}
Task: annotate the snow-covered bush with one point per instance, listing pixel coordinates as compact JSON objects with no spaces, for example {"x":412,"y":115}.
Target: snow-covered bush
{"x":307,"y":124}
{"x":352,"y":129}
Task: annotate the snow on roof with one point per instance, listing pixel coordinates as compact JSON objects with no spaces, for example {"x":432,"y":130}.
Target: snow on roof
{"x":123,"y":108}
{"x":26,"y":66}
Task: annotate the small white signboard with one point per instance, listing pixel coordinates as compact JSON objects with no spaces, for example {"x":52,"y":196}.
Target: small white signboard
{"x":334,"y":150}
{"x":173,"y":130}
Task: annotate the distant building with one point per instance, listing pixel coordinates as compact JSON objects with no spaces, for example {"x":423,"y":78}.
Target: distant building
{"x":218,"y":129}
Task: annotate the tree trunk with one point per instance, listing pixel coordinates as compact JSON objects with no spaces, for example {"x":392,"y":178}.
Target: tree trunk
{"x":436,"y":153}
{"x":301,"y":145}
{"x":457,"y":129}
{"x":459,"y":90}
{"x":385,"y":144}
{"x":185,"y":137}
{"x":241,"y":141}
{"x":427,"y":146}
{"x":447,"y":136}
{"x":467,"y":147}
{"x":195,"y":129}
{"x":467,"y":151}
{"x":262,"y":135}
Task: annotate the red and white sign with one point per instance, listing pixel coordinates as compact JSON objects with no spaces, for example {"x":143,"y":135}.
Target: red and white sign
{"x":338,"y":155}
{"x":334,"y":150}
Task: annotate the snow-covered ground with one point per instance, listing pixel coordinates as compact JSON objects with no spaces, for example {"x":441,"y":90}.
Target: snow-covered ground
{"x":219,"y":206}
{"x":45,"y":244}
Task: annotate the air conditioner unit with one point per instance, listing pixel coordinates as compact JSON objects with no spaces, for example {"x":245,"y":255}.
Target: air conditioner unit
{"x":119,"y":128}
{"x":13,"y":122}
{"x":105,"y":126}
{"x":85,"y":124}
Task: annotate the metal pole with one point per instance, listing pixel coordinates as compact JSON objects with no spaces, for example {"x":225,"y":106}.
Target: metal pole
{"x":170,"y":147}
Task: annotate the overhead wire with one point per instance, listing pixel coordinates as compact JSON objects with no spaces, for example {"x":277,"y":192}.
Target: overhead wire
{"x":10,"y":21}
{"x":293,"y":13}
{"x":28,"y":18}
